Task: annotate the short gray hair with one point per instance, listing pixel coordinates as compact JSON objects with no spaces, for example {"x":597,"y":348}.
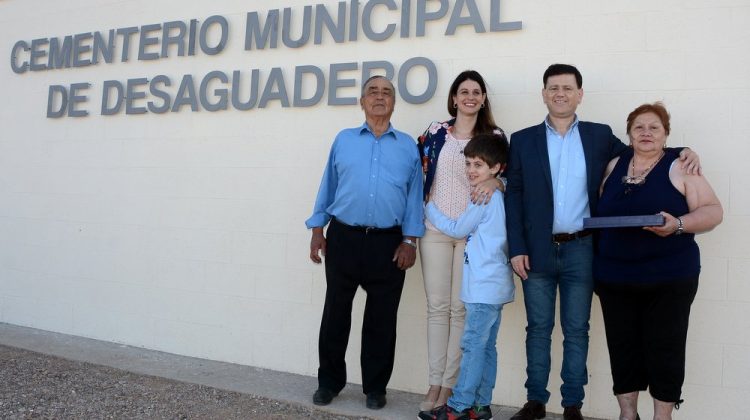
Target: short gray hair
{"x":377,"y":76}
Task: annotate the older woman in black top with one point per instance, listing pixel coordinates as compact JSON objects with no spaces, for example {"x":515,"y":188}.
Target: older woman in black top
{"x":646,"y":278}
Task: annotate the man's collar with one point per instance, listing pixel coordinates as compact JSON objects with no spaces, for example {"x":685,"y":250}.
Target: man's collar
{"x":551,"y":127}
{"x":365,"y":127}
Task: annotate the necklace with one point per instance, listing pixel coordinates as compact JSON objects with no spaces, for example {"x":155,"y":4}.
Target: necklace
{"x":461,"y":135}
{"x":640,"y":179}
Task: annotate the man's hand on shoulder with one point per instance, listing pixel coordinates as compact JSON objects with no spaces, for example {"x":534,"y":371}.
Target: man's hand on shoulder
{"x":317,"y":245}
{"x":690,"y":161}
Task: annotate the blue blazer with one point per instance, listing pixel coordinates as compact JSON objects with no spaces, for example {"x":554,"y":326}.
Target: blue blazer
{"x":529,"y":200}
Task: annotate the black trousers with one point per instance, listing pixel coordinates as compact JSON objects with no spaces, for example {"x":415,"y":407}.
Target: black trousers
{"x":646,"y":327}
{"x":357,"y":258}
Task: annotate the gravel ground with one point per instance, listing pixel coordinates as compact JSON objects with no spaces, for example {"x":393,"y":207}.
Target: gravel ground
{"x":37,"y":386}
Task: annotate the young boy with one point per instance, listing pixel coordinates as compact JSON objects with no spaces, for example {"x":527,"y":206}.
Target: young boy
{"x":486,"y":286}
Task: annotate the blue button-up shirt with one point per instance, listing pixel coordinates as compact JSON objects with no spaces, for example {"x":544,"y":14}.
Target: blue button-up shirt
{"x":568,"y":169}
{"x":372,"y":181}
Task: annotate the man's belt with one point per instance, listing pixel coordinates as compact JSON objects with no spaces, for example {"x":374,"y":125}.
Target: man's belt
{"x":367,"y":230}
{"x":567,"y":237}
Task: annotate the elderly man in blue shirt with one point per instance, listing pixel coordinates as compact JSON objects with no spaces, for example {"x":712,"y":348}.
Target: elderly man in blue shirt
{"x":371,"y":193}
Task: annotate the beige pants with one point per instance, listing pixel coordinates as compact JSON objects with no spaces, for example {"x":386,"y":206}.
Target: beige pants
{"x":442,"y":268}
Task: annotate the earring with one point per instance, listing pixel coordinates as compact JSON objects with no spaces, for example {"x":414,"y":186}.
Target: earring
{"x":482,"y":105}
{"x":455,"y":105}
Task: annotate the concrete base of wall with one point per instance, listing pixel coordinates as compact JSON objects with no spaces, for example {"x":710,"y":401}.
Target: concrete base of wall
{"x":245,"y":379}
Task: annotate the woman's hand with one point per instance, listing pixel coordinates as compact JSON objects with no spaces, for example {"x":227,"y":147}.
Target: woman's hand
{"x":668,"y":228}
{"x":482,"y":192}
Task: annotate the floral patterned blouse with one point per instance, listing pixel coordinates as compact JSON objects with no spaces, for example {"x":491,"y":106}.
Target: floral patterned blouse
{"x":430,"y":144}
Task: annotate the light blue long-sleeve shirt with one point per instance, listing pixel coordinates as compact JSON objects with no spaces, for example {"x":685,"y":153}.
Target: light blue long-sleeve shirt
{"x":569,"y":183}
{"x":487,"y":275}
{"x":372,"y":181}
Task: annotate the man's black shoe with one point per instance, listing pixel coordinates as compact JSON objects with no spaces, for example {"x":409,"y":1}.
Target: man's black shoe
{"x":375,"y":400}
{"x":323,"y":396}
{"x":572,"y":413}
{"x":532,"y":410}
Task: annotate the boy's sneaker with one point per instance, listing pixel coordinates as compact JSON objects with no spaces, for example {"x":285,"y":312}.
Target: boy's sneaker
{"x":480,"y":412}
{"x":426,"y":415}
{"x":444,"y":412}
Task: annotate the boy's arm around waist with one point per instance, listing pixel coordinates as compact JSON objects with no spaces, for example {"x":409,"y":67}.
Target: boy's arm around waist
{"x":466,"y":223}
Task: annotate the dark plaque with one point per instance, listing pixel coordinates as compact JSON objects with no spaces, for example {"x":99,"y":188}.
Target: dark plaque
{"x":623,"y":221}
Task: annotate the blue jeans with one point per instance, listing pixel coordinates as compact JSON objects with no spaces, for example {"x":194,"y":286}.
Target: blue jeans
{"x":476,"y":378}
{"x":572,"y":274}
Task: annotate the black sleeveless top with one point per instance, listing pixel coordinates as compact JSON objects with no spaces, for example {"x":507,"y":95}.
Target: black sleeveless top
{"x":635,"y":255}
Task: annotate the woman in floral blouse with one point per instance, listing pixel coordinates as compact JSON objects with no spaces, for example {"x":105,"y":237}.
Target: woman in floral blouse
{"x":441,"y":148}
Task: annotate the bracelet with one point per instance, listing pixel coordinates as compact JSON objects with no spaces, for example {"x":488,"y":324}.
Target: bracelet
{"x":409,"y":242}
{"x":680,"y":227}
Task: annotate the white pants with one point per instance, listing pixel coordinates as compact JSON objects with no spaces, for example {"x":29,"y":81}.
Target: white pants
{"x":442,"y":268}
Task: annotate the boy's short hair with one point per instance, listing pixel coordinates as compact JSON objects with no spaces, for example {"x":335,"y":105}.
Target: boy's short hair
{"x":491,"y":148}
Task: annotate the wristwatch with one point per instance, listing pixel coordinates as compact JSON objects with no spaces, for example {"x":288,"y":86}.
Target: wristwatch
{"x":409,"y":242}
{"x":680,"y":227}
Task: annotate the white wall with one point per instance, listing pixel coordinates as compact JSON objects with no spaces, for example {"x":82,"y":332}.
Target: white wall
{"x":184,"y":232}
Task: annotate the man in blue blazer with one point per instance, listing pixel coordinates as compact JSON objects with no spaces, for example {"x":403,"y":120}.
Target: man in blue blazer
{"x":554,"y":172}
